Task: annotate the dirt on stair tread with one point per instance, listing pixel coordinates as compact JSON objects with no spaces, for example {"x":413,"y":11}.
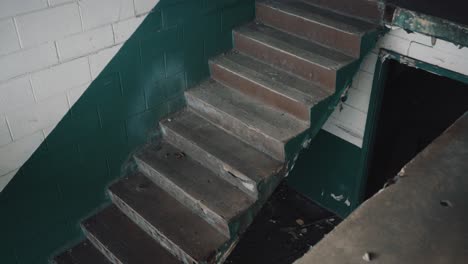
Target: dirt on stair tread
{"x":173,"y":220}
{"x":236,"y":154}
{"x":322,"y":16}
{"x":275,"y":79}
{"x":307,"y":50}
{"x":83,"y":253}
{"x":274,"y":123}
{"x":195,"y":180}
{"x":114,"y":232}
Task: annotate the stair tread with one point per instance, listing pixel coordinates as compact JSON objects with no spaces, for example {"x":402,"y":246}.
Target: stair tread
{"x":83,"y":253}
{"x":280,"y":81}
{"x":369,"y":10}
{"x":235,"y":153}
{"x":196,"y":180}
{"x":257,"y":115}
{"x":313,"y":52}
{"x":176,"y":222}
{"x":322,"y":16}
{"x":124,"y":239}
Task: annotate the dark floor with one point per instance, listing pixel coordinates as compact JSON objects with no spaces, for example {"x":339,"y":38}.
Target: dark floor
{"x":285,"y":229}
{"x":454,"y":10}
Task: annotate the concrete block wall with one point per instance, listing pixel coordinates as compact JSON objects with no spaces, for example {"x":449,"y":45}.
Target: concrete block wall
{"x":66,"y":178}
{"x":349,"y":120}
{"x":50,"y":52}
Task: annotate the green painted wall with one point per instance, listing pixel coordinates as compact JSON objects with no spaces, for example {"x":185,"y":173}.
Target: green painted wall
{"x":329,"y":167}
{"x":65,"y":179}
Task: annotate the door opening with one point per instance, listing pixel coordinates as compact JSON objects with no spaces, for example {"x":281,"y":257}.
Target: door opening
{"x":416,"y":107}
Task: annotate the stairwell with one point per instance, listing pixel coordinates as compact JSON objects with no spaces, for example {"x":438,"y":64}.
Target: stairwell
{"x":197,"y":190}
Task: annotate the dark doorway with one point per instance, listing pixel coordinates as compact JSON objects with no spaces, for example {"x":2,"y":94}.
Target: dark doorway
{"x":416,"y":107}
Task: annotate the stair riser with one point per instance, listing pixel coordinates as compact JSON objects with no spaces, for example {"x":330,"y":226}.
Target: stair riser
{"x":346,"y":42}
{"x":234,"y":126}
{"x":212,"y":162}
{"x":151,"y":230}
{"x":183,"y":197}
{"x":103,"y":249}
{"x":370,"y":10}
{"x":259,"y":91}
{"x":290,"y":62}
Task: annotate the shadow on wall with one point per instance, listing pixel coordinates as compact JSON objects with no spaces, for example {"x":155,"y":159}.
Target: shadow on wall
{"x":65,"y":178}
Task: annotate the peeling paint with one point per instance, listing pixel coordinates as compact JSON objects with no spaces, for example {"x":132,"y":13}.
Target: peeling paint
{"x":338,"y":198}
{"x":249,"y":186}
{"x":431,"y":26}
{"x":347,"y":202}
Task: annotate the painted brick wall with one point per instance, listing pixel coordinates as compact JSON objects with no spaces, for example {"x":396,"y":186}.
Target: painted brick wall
{"x":65,"y":179}
{"x":50,"y":51}
{"x":349,"y":122}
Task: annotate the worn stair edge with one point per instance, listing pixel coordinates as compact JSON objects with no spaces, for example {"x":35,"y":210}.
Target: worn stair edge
{"x":122,"y":241}
{"x":274,"y":87}
{"x":315,"y":24}
{"x":176,"y":227}
{"x":252,"y":121}
{"x":307,"y":59}
{"x":217,"y":201}
{"x":226,"y":155}
{"x":368,"y":10}
{"x":82,"y":253}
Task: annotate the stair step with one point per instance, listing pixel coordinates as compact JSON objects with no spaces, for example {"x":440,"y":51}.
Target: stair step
{"x":310,"y":22}
{"x":217,"y":201}
{"x":176,"y":227}
{"x":256,"y":123}
{"x":268,"y":84}
{"x":122,"y":241}
{"x":307,"y":59}
{"x":83,"y":253}
{"x":226,"y":155}
{"x":369,"y":10}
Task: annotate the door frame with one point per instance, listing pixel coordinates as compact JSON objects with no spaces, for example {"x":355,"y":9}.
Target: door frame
{"x":375,"y":104}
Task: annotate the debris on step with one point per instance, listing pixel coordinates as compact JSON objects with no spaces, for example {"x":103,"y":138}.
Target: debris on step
{"x":300,"y":222}
{"x":367,"y":256}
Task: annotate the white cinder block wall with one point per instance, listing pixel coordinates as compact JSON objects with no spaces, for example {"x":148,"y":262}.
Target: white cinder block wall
{"x":349,"y":121}
{"x":50,"y":51}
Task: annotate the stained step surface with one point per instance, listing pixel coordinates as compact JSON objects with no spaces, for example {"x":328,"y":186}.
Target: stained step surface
{"x":256,"y":123}
{"x":370,"y":10}
{"x":194,"y":185}
{"x":275,"y":87}
{"x":122,"y":241}
{"x":313,"y":23}
{"x":180,"y":230}
{"x":305,"y":58}
{"x":83,"y":253}
{"x":226,"y":155}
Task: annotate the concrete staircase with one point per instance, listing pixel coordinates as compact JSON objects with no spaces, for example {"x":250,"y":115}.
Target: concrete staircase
{"x":198,"y":189}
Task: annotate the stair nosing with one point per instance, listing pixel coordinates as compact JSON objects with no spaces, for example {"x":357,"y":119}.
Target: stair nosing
{"x":99,"y":245}
{"x":109,"y":251}
{"x":150,"y":228}
{"x":210,"y":212}
{"x":332,"y":64}
{"x":244,"y":180}
{"x":291,"y":10}
{"x":197,"y":205}
{"x":309,"y":102}
{"x":195,"y":142}
{"x":281,"y":141}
